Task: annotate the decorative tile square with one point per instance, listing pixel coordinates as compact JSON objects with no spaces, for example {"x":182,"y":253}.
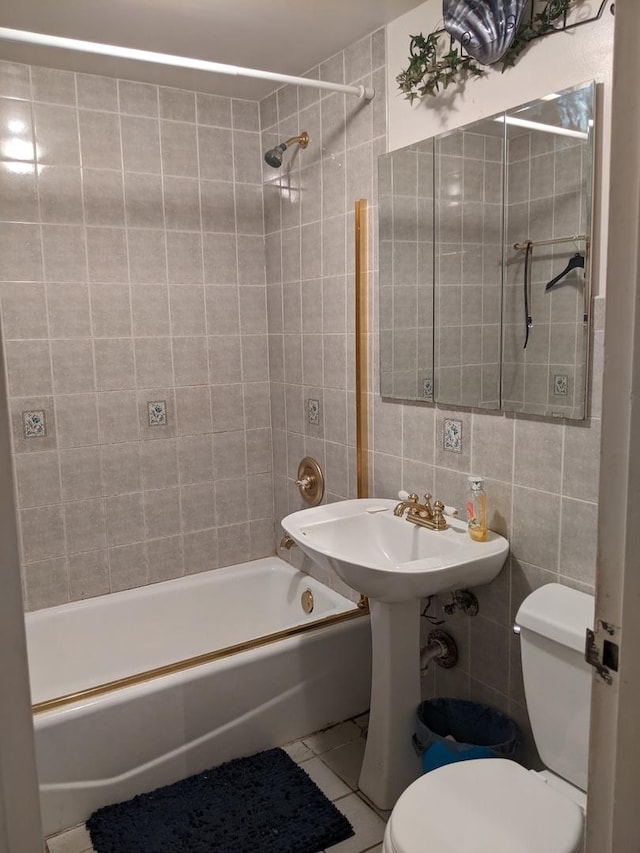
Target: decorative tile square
{"x":34,"y":424}
{"x":157,"y":410}
{"x":313,"y":411}
{"x":561,"y":384}
{"x":452,"y":435}
{"x":427,"y":388}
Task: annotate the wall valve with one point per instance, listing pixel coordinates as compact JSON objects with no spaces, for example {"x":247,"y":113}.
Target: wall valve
{"x":441,"y":648}
{"x":462,"y":599}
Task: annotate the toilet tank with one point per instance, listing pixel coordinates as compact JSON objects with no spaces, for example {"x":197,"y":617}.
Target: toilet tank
{"x":557,"y":680}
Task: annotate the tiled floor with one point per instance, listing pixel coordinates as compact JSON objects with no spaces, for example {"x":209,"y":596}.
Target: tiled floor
{"x":332,"y":758}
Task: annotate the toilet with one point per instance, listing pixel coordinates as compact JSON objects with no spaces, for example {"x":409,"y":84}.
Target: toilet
{"x":496,"y":805}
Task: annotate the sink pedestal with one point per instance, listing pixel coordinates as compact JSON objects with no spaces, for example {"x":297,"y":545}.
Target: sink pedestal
{"x":390,"y":761}
{"x":394,"y":563}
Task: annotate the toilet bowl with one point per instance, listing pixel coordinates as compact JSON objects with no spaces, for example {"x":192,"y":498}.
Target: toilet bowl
{"x":495,"y":805}
{"x":484,"y":806}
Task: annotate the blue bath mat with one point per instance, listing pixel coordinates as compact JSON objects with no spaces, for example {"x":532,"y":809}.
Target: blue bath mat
{"x":264,"y":803}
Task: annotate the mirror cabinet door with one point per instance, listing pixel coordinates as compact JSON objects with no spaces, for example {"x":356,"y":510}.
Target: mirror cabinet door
{"x":405,"y":180}
{"x":484,"y":261}
{"x":549,"y":147}
{"x":468,"y":264}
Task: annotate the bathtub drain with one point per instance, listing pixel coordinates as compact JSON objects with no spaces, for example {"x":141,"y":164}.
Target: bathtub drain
{"x":306,"y":600}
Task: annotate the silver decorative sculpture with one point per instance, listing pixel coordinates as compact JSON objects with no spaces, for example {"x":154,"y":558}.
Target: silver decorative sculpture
{"x":485,"y":28}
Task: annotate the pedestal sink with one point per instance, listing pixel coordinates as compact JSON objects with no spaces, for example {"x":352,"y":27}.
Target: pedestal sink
{"x":395,"y":563}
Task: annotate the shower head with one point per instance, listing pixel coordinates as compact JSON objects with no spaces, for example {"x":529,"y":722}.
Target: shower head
{"x":274,"y":155}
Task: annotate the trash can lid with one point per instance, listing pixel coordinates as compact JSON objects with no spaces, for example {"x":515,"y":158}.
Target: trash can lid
{"x":479,"y":805}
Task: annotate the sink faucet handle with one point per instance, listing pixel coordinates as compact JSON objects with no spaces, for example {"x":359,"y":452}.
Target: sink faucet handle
{"x":409,"y":503}
{"x":438,"y":516}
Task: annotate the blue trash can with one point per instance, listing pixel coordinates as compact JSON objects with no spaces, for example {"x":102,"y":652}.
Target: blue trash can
{"x":451,"y":730}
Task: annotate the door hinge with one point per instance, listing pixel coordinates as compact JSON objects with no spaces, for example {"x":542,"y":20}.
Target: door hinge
{"x":601,"y":649}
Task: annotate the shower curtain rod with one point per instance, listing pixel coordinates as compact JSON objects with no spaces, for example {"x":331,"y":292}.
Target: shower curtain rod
{"x":576,"y":238}
{"x":6,"y":34}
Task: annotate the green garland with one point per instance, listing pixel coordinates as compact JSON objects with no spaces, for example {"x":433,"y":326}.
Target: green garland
{"x":529,"y":30}
{"x":429,"y":72}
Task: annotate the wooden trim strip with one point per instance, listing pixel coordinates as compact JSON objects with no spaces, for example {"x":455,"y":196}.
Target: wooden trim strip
{"x":362,"y":342}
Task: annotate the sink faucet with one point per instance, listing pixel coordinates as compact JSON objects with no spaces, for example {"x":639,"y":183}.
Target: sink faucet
{"x":410,"y":503}
{"x":424,"y":515}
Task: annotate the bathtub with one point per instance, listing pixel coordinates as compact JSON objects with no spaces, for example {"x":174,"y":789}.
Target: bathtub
{"x":141,"y":688}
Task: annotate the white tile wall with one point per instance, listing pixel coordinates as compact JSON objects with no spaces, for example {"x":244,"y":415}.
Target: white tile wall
{"x":131,"y":271}
{"x":541,"y":475}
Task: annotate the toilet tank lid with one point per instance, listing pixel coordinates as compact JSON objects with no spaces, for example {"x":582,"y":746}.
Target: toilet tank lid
{"x":558,"y":612}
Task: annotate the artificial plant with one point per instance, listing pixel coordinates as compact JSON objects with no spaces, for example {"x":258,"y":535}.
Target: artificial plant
{"x":431,"y":69}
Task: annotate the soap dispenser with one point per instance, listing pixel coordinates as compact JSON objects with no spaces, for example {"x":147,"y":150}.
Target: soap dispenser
{"x":477,"y":510}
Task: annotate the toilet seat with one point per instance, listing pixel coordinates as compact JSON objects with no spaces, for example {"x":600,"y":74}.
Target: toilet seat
{"x":483,"y":806}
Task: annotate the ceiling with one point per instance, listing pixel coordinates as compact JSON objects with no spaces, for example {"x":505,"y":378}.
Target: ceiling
{"x":275,"y":35}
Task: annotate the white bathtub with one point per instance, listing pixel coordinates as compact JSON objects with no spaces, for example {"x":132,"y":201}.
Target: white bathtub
{"x":104,"y":747}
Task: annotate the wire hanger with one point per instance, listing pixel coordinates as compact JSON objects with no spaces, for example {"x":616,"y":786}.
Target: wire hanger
{"x":528,"y":319}
{"x":577,"y":261}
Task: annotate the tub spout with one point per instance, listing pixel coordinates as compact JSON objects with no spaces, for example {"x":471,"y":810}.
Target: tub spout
{"x":287,"y":542}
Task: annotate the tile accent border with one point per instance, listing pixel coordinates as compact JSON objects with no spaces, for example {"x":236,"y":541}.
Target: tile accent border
{"x":561,"y":384}
{"x":313,"y":411}
{"x":427,"y":388}
{"x":34,"y":424}
{"x":452,"y":436}
{"x":157,"y":412}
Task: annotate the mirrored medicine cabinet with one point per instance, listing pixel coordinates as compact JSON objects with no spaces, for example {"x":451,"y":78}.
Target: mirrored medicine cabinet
{"x":485,"y":236}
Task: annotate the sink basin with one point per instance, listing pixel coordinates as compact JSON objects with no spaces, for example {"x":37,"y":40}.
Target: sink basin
{"x":388,"y":558}
{"x":395,"y":563}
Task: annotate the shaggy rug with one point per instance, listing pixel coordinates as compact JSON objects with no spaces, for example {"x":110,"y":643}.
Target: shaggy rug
{"x":264,"y":803}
